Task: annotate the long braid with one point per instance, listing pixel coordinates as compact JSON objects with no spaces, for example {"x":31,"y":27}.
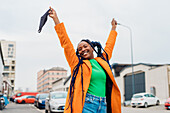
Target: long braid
{"x":99,"y":52}
{"x":75,"y":72}
{"x":76,"y":68}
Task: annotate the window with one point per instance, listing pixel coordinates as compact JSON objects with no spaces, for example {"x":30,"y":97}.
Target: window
{"x":151,"y":95}
{"x":19,"y":94}
{"x":137,"y":96}
{"x":146,"y":95}
{"x":10,"y":56}
{"x":10,"y":45}
{"x":6,"y":68}
{"x":6,"y":74}
{"x":13,"y":62}
{"x":32,"y":96}
{"x":13,"y":68}
{"x":12,"y":82}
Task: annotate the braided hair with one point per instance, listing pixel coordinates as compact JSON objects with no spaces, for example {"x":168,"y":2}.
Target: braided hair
{"x":76,"y":68}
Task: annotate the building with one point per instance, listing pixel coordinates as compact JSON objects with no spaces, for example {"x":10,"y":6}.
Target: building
{"x":9,"y":55}
{"x":61,"y":84}
{"x":7,"y":87}
{"x":151,"y":78}
{"x":1,"y":69}
{"x":58,"y":85}
{"x":46,"y":77}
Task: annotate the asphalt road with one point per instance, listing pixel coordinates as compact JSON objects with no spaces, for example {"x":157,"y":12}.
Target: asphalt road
{"x":29,"y":108}
{"x":150,"y":109}
{"x":20,"y":108}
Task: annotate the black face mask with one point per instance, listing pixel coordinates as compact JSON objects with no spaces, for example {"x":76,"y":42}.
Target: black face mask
{"x":43,"y":20}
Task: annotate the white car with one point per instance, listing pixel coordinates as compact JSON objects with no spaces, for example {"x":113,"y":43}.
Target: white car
{"x":55,"y":102}
{"x":144,"y":99}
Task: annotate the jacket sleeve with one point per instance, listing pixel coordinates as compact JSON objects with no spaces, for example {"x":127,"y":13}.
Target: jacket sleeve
{"x":69,"y":50}
{"x":110,"y":44}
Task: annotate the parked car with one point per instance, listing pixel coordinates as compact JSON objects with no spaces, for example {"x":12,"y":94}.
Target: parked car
{"x":36,"y":98}
{"x":40,"y":100}
{"x":167,"y":104}
{"x":55,"y":102}
{"x":2,"y":102}
{"x":20,"y":94}
{"x":16,"y":99}
{"x":25,"y":99}
{"x":144,"y":99}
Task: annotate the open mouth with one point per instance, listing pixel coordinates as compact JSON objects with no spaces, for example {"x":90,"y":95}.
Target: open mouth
{"x":84,"y":53}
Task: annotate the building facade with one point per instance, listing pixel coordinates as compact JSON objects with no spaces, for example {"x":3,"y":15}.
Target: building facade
{"x":45,"y":78}
{"x":148,"y":78}
{"x":58,"y":85}
{"x":1,"y":70}
{"x":9,"y":55}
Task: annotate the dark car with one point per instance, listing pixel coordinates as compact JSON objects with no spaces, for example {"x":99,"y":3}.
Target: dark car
{"x":36,"y":98}
{"x":40,"y":100}
{"x":2,"y":102}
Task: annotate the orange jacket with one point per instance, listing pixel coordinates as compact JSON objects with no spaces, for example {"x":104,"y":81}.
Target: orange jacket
{"x":112,"y":91}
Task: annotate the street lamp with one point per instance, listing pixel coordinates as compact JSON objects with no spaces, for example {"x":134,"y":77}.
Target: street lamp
{"x":133,"y":82}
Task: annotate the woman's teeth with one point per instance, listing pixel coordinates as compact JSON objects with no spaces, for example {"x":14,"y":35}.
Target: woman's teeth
{"x":85,"y":53}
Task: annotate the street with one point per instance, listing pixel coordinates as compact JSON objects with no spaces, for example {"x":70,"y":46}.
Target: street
{"x":21,"y":108}
{"x":29,"y":108}
{"x":150,"y":109}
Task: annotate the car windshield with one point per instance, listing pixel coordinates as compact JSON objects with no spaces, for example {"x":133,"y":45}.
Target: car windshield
{"x":37,"y":95}
{"x":43,"y":96}
{"x":58,"y":95}
{"x":137,"y":96}
{"x":19,"y":94}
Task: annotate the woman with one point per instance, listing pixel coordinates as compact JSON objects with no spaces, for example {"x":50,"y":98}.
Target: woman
{"x":93,"y":88}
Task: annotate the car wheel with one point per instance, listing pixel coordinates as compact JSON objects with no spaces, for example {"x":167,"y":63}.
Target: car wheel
{"x":38,"y":105}
{"x":157,"y":103}
{"x":1,"y":107}
{"x":146,"y":105}
{"x":133,"y":106}
{"x":23,"y":102}
{"x":46,"y":111}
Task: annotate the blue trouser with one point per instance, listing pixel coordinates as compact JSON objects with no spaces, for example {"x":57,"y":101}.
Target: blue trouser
{"x":94,"y":104}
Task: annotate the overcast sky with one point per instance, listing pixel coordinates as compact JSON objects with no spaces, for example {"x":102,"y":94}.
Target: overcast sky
{"x":148,"y":19}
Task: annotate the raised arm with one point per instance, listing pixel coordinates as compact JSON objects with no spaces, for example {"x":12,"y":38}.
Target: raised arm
{"x":69,"y":50}
{"x":111,"y":40}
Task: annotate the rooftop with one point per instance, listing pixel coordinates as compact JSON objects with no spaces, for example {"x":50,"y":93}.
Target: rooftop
{"x":57,"y":69}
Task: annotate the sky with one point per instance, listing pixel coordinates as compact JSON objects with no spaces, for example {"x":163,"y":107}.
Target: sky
{"x":19,"y":22}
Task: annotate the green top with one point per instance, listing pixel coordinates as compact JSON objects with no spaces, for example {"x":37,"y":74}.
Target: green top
{"x":97,"y":85}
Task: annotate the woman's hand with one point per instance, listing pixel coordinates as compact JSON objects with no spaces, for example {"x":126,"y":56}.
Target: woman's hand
{"x":114,"y":24}
{"x":53,"y":15}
